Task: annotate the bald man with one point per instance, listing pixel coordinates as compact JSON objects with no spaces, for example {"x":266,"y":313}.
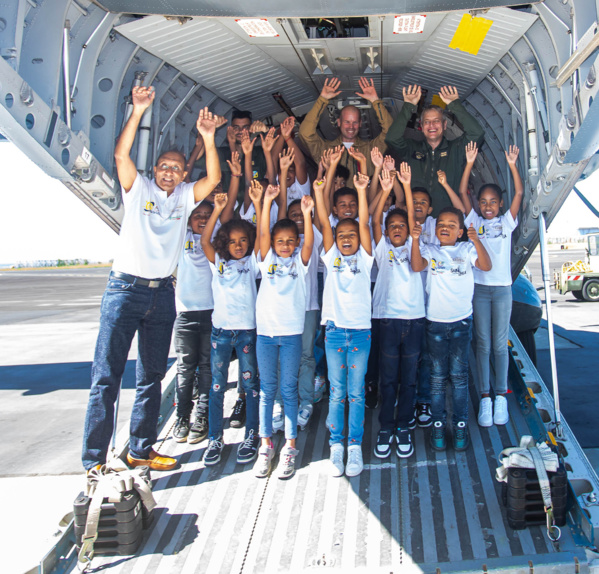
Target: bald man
{"x":349,"y":123}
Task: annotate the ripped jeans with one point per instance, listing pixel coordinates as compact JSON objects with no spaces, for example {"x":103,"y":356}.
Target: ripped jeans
{"x":347,"y":359}
{"x":222,"y":343}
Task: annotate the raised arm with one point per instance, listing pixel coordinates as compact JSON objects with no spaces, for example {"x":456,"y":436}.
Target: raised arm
{"x":220,"y":201}
{"x":333,"y":156}
{"x":471,"y":153}
{"x":142,"y":98}
{"x":512,"y":157}
{"x":264,"y":229}
{"x":206,"y":126}
{"x":404,"y":175}
{"x":307,"y":205}
{"x":473,"y":131}
{"x":484,"y":261}
{"x":395,"y":136}
{"x":417,"y":262}
{"x":326,"y":230}
{"x":453,"y":196}
{"x":361,"y":183}
{"x":196,"y":153}
{"x":255,"y":193}
{"x":267,"y":144}
{"x":247,"y":146}
{"x":377,"y":218}
{"x":382,"y":115}
{"x":285,"y":161}
{"x":360,"y":158}
{"x":235,"y":167}
{"x":301,"y":173}
{"x":377,"y":160}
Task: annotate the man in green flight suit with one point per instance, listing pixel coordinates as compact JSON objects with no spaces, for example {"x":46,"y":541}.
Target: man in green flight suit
{"x":435,"y":152}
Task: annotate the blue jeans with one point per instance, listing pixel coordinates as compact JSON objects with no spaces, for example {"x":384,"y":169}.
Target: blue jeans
{"x":223,"y":341}
{"x":400,"y":348}
{"x":448,"y":345}
{"x":279,"y":356}
{"x":492,"y":310}
{"x":347,"y":358}
{"x":423,"y":393}
{"x":128,"y":308}
{"x":192,"y":344}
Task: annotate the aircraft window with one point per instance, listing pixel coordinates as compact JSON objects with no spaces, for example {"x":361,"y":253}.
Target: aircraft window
{"x":336,"y":27}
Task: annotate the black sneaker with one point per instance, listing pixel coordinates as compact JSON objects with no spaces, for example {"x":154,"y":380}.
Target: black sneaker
{"x":384,"y":440}
{"x":405,"y":448}
{"x":412,"y":423}
{"x":199,"y":429}
{"x":213,"y":452}
{"x":237,"y":419}
{"x":372,"y":396}
{"x":423,"y":415}
{"x":438,"y":436}
{"x":181,"y":429}
{"x":248,"y":449}
{"x":461,"y":438}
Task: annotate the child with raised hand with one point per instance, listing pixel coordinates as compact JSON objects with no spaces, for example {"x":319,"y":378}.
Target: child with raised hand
{"x":398,"y":301}
{"x":450,"y":286}
{"x":234,"y":267}
{"x":346,"y":313}
{"x":280,"y":315}
{"x":493,"y":290}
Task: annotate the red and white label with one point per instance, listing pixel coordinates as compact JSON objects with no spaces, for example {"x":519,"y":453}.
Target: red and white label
{"x":409,"y":24}
{"x":257,"y":27}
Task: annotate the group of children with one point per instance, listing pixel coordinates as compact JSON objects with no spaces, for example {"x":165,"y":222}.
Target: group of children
{"x":380,"y":256}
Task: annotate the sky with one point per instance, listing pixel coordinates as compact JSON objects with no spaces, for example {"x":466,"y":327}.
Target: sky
{"x":44,"y":221}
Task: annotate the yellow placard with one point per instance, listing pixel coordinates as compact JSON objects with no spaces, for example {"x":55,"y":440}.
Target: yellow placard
{"x":470,"y":34}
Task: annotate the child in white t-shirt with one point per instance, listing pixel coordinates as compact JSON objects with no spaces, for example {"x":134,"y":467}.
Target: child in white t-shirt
{"x":346,"y":312}
{"x":450,"y":285}
{"x":280,"y":314}
{"x":232,"y":257}
{"x":492,"y":301}
{"x":398,"y":303}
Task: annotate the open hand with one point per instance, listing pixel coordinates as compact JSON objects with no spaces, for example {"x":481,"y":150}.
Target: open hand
{"x":255,"y":191}
{"x":389,"y":163}
{"x":307,"y":205}
{"x":231,"y":137}
{"x":206,"y":123}
{"x":412,"y":94}
{"x":142,"y":96}
{"x":220,"y":121}
{"x":286,"y":159}
{"x":386,"y":181}
{"x":448,"y":94}
{"x":235,"y":164}
{"x":377,"y":157}
{"x":220,"y":200}
{"x":287,"y":127}
{"x":272,"y":191}
{"x":269,"y":141}
{"x":472,"y":152}
{"x":247,"y":143}
{"x":356,"y":154}
{"x":330,"y":89}
{"x":258,"y":127}
{"x":512,"y":154}
{"x":368,"y":90}
{"x":405,"y":173}
{"x":361,"y":181}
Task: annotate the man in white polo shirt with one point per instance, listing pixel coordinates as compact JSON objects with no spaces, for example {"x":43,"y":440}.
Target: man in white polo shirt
{"x":140,"y":296}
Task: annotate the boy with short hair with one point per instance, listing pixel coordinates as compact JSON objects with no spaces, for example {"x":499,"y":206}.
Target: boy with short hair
{"x":450,"y":286}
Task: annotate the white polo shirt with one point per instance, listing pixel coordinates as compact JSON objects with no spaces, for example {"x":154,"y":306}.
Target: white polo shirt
{"x":234,"y":292}
{"x":496,"y":236}
{"x":281,"y":303}
{"x":153,"y":229}
{"x":450,"y":281}
{"x":398,"y":293}
{"x":346,"y":299}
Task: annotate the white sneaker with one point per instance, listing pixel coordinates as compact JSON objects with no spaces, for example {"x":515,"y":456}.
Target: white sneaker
{"x":264,"y":461}
{"x":320,"y":384}
{"x":337,"y":466}
{"x":355,"y":465}
{"x":304,"y":416}
{"x":485,"y":414}
{"x":286,"y":468}
{"x":501,"y":416}
{"x":278,"y":419}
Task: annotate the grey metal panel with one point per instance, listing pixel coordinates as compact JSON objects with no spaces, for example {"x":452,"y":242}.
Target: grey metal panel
{"x":212,"y":55}
{"x":304,"y":9}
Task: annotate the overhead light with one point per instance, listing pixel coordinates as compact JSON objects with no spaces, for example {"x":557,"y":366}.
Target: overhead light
{"x":344,"y":59}
{"x":257,"y":27}
{"x":470,"y":34}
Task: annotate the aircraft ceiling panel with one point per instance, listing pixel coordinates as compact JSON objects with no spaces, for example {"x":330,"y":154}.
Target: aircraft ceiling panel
{"x":208,"y":52}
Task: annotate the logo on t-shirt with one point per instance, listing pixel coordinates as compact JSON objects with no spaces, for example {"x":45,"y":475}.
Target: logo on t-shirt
{"x":150,"y":208}
{"x":189,"y":245}
{"x":438,"y":266}
{"x":221,"y":268}
{"x":391,"y":256}
{"x":272,"y":269}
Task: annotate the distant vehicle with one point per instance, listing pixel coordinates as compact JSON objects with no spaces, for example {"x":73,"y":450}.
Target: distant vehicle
{"x":580,"y":277}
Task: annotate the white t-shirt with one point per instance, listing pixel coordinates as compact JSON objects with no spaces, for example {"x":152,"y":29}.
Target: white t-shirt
{"x":450,"y":281}
{"x":398,"y":293}
{"x":250,"y":214}
{"x":234,"y":292}
{"x":312,"y":277}
{"x":153,"y":229}
{"x":194,"y":278}
{"x":346,"y":300}
{"x":496,"y":236}
{"x":281,"y":303}
{"x":428,"y":232}
{"x":297,"y":190}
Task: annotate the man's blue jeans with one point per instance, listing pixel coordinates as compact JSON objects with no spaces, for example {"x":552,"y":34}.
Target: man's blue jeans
{"x":128,"y":308}
{"x":400,"y":348}
{"x":448,"y":345}
{"x":347,"y":358}
{"x":279,"y":357}
{"x":223,"y":341}
{"x":192,"y":344}
{"x":492,"y":310}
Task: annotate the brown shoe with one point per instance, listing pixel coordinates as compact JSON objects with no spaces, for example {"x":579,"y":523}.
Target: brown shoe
{"x":155,"y":461}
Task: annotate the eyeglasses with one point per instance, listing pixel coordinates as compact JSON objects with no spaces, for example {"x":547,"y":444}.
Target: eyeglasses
{"x":240,"y":128}
{"x":173,"y":168}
